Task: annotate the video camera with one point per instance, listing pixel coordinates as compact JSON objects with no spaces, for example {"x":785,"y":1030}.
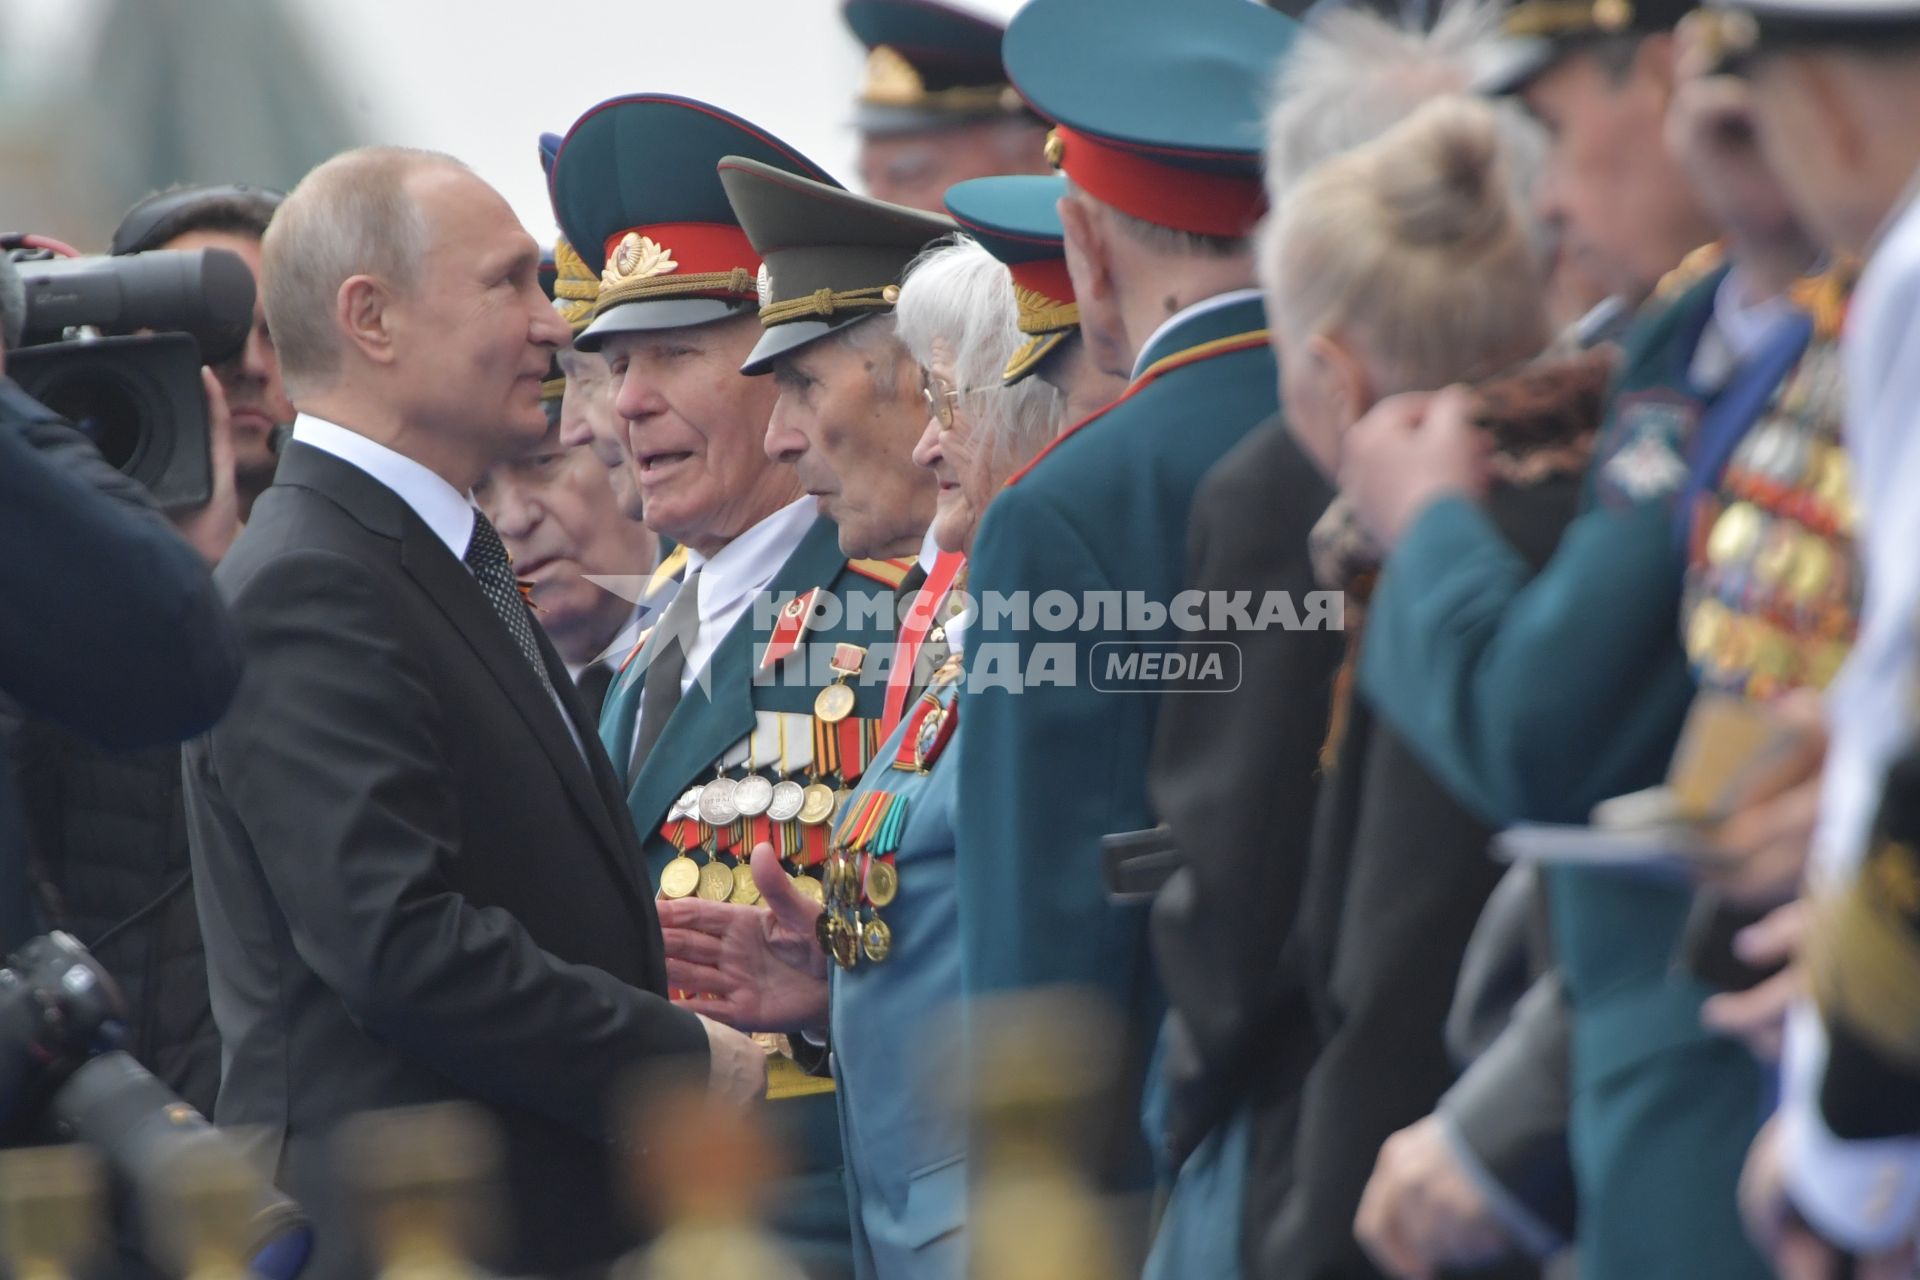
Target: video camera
{"x":115,"y":345}
{"x":61,"y":1018}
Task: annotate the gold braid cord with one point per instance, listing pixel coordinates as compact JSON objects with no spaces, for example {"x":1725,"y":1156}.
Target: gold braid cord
{"x":1862,"y":954}
{"x":1042,"y":314}
{"x":737,"y":282}
{"x":1567,"y":17}
{"x":826,"y":303}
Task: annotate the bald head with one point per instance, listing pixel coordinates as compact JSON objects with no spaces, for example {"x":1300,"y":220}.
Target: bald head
{"x":359,"y":214}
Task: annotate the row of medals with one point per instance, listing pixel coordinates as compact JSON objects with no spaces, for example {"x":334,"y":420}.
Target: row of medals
{"x":839,"y":929}
{"x":1773,"y":605}
{"x":725,"y":801}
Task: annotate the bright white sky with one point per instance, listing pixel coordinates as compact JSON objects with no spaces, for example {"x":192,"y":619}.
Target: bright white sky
{"x":482,"y":79}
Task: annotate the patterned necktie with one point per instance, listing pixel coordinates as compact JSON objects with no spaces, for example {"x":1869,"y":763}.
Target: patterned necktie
{"x":487,"y":558}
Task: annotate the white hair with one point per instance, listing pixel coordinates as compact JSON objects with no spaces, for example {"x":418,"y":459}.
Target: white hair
{"x":351,"y":216}
{"x":1353,"y":74}
{"x":961,"y":295}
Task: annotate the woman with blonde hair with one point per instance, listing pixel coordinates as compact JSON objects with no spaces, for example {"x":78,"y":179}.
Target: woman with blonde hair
{"x":1404,"y":265}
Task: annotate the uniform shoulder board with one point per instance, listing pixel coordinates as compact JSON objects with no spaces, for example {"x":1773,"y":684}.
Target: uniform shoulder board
{"x":1693,"y":268}
{"x":669,"y":569}
{"x":887,"y":573}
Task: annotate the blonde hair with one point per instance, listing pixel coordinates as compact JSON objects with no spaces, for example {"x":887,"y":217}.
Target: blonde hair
{"x":352,"y":215}
{"x":1413,"y":248}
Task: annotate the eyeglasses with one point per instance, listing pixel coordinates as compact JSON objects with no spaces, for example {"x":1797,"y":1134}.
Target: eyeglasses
{"x":942,"y":398}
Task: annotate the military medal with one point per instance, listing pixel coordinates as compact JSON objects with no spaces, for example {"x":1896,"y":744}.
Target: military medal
{"x":883,"y":883}
{"x":809,"y":887}
{"x":816,"y":804}
{"x":753,"y":796}
{"x":784,"y":802}
{"x":745,"y":892}
{"x":680,"y":877}
{"x":1735,"y":534}
{"x":716,"y":882}
{"x":717,"y":808}
{"x":876,"y":940}
{"x":836,"y":702}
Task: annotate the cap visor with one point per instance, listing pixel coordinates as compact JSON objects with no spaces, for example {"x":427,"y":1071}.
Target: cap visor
{"x":1032,"y":354}
{"x":785,"y":339}
{"x":666,"y":313}
{"x":1513,"y":65}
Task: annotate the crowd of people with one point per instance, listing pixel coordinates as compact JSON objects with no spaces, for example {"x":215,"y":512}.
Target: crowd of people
{"x":1372,"y":548}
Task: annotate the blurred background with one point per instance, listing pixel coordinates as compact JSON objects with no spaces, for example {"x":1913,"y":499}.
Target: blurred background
{"x":106,"y":100}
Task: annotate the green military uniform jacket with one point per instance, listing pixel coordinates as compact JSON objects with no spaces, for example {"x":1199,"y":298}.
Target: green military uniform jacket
{"x":1049,"y":768}
{"x":1537,"y":697}
{"x":810,"y":1209}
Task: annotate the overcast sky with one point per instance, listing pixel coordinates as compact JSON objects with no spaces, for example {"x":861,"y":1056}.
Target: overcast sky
{"x":483,"y":78}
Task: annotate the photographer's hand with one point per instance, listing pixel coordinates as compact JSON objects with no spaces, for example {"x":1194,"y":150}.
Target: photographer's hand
{"x":212,"y":528}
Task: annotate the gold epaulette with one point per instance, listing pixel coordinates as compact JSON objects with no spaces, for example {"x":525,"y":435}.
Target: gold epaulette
{"x":1693,"y":268}
{"x":888,"y":573}
{"x":668,"y":570}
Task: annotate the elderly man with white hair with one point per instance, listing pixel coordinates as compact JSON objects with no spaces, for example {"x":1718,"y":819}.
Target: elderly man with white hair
{"x":405,"y":739}
{"x":887,"y":1008}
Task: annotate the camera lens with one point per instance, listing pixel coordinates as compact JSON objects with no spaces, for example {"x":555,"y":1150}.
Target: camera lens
{"x":105,"y":406}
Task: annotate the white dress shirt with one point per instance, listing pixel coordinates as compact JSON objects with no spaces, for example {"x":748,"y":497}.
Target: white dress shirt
{"x":443,"y":508}
{"x":446,"y":511}
{"x":1865,"y":1196}
{"x":731,"y":578}
{"x":1200,"y":308}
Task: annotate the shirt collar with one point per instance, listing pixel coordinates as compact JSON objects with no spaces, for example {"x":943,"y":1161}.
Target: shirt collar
{"x":446,"y":511}
{"x":1231,"y":297}
{"x":929,"y":551}
{"x":748,"y":563}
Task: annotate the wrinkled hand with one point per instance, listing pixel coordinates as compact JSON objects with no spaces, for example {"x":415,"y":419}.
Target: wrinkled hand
{"x":737,"y":1067}
{"x":755,"y":968}
{"x":1758,"y":1015}
{"x":1409,"y":450}
{"x":1760,"y":852}
{"x":211,"y":528}
{"x":1780,"y":1234}
{"x":1421,"y":1212}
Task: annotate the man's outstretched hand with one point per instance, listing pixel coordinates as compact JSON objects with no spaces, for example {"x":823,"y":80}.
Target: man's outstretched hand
{"x":755,"y":968}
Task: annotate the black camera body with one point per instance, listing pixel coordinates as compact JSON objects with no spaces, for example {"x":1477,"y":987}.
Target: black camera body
{"x":61,"y":1021}
{"x":115,"y":345}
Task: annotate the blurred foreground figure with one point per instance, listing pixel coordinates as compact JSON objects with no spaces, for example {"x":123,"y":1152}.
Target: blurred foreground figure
{"x":935,"y":107}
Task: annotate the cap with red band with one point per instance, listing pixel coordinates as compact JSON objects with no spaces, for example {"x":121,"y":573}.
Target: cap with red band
{"x":1160,"y":110}
{"x":1017,"y":219}
{"x":635,"y":191}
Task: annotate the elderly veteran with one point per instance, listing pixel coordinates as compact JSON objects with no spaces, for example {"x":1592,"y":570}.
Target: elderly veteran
{"x":890,"y":972}
{"x":1017,"y":219}
{"x":739,"y":718}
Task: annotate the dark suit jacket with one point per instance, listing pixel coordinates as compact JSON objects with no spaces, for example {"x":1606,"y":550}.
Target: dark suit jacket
{"x":412,"y":884}
{"x":1234,"y":776}
{"x":1398,"y":878}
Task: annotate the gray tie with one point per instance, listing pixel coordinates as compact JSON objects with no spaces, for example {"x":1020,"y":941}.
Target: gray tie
{"x":666,"y":669}
{"x":487,"y":558}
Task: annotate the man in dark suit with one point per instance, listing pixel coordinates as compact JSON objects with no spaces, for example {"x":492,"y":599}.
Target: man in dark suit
{"x":417,"y":882}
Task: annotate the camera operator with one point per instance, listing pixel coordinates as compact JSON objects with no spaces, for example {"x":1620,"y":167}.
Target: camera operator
{"x":111,"y":626}
{"x":231,"y":217}
{"x":107,"y":848}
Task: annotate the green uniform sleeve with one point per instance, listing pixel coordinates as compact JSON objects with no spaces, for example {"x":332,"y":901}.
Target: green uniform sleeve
{"x":1532,"y":696}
